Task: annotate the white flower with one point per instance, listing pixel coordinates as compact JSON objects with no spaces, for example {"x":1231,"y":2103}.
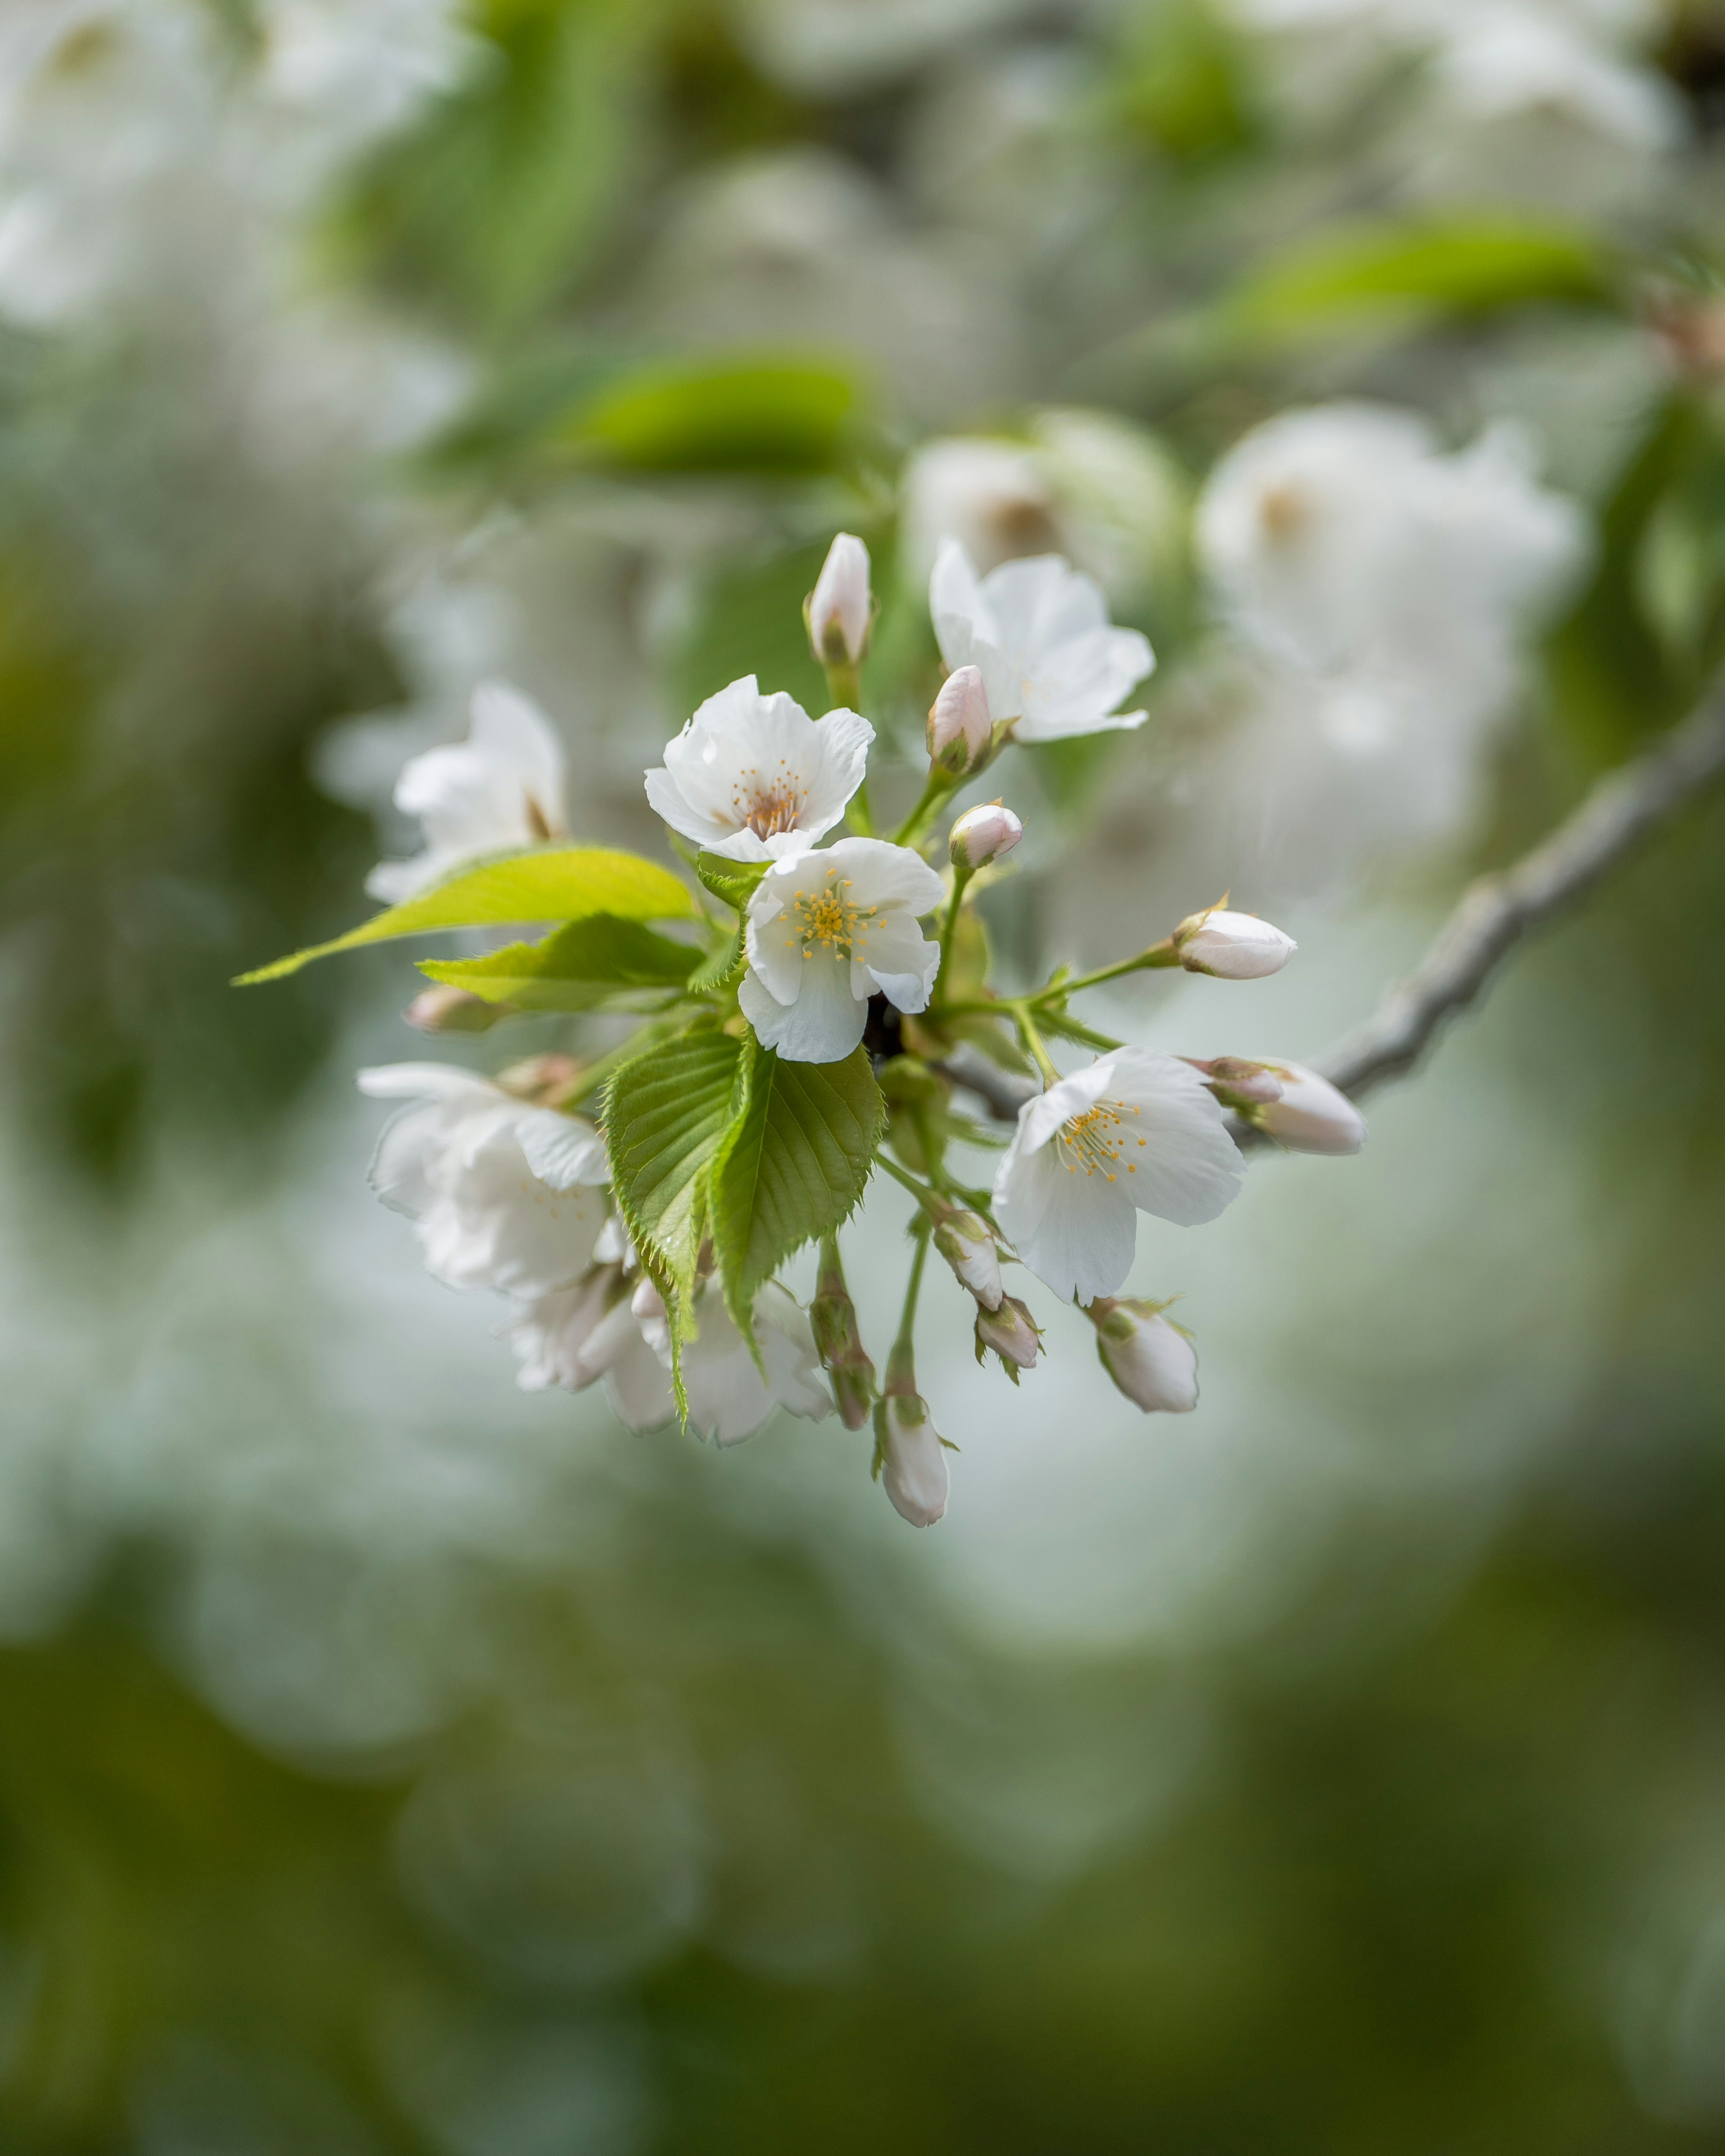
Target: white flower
{"x":1311,"y":1115}
{"x":839,"y":607}
{"x":576,"y":1334}
{"x":1342,"y":538}
{"x":506,"y":1195}
{"x":1137,"y":1130}
{"x":1233,"y":946}
{"x":961,"y":729}
{"x":1012,"y":1332}
{"x":825,"y":933}
{"x":728,"y":1398}
{"x":912,"y":1461}
{"x":1152,"y":1361}
{"x":498,"y":791}
{"x":963,"y":1241}
{"x":755,"y":778}
{"x":982,"y":834}
{"x":1040,"y":633}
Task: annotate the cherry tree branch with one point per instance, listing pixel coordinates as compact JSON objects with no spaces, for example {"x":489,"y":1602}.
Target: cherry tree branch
{"x":1492,"y":916}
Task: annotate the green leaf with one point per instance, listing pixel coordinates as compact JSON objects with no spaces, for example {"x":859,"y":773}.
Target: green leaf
{"x":568,"y":884}
{"x":723,"y":412}
{"x":590,"y":961}
{"x":1465,"y":265}
{"x":733,"y":882}
{"x":722,"y":968}
{"x":664,"y":1112}
{"x":792,"y":1165}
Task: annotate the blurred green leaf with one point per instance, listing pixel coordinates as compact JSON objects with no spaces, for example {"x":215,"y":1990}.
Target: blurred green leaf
{"x":1183,"y":80}
{"x":568,"y":884}
{"x":587,"y":962}
{"x":719,"y":413}
{"x":792,"y":1164}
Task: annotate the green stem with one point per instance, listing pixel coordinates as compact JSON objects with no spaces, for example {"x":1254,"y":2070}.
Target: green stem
{"x":915,"y":828}
{"x":924,"y":1193}
{"x":1159,"y":954}
{"x":1033,"y":1041}
{"x":901,"y":1362}
{"x":961,"y":877}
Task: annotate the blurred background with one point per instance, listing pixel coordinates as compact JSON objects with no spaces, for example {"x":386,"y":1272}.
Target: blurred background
{"x":389,"y":1761}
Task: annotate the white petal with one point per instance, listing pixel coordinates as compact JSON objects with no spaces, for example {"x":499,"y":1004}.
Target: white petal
{"x":1077,"y":1233}
{"x":639,"y":1389}
{"x":562,"y":1150}
{"x":423,"y":1081}
{"x":1044,"y":1113}
{"x":962,"y":619}
{"x":1188,"y":1168}
{"x":824,"y":1025}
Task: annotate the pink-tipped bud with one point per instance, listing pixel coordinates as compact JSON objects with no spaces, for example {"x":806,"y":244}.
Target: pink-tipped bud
{"x":963,"y":1241}
{"x":982,"y":835}
{"x":1012,"y":1332}
{"x":839,"y":608}
{"x":446,"y":1008}
{"x":910,"y":1459}
{"x":1288,"y":1102}
{"x":960,"y":731}
{"x":1233,"y":946}
{"x":1152,"y":1360}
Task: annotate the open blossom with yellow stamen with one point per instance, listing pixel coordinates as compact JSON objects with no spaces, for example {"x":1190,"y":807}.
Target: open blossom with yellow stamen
{"x":826,"y":932}
{"x":755,"y":778}
{"x":1138,"y":1131}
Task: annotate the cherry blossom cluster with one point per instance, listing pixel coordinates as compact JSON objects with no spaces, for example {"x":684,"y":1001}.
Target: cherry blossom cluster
{"x":807,"y":1031}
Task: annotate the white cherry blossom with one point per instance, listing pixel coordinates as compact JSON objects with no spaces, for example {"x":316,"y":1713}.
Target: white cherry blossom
{"x":826,"y":932}
{"x":1232,"y":946}
{"x":1039,"y":632}
{"x":912,"y":1460}
{"x":498,"y":791}
{"x":755,"y":778}
{"x":1310,"y":1115}
{"x":728,"y":1398}
{"x":1138,"y":1130}
{"x":505,"y":1194}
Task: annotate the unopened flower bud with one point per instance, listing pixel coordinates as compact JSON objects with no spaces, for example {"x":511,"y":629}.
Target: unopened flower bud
{"x":1233,"y":946}
{"x":982,"y":834}
{"x":838,"y":1340}
{"x":910,"y":1459}
{"x":839,"y":607}
{"x":1012,"y":1332}
{"x":963,"y":1241}
{"x":1288,"y":1102}
{"x":1309,"y":1115}
{"x":446,"y":1008}
{"x":1152,"y":1360}
{"x":960,"y":733}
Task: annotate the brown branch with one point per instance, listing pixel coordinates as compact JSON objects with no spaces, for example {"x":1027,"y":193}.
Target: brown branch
{"x":1494,"y":914}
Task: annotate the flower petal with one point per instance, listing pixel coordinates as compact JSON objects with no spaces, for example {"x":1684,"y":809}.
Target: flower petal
{"x":823,"y":1025}
{"x":1188,"y":1168}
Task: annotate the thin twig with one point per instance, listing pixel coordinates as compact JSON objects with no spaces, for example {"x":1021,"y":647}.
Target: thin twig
{"x":1492,"y":916}
{"x":1495,"y":912}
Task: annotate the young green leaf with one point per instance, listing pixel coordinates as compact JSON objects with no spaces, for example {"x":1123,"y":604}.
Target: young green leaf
{"x":722,"y":967}
{"x":792,"y":1164}
{"x":589,"y":961}
{"x":734,"y":882}
{"x":567,"y":883}
{"x":664,"y":1112}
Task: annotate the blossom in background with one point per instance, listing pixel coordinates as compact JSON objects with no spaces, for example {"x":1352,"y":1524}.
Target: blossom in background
{"x":1381,"y":592}
{"x":755,"y":778}
{"x":1137,"y":1132}
{"x":499,"y":790}
{"x":1091,"y":485}
{"x":1289,"y":1103}
{"x":729,"y":1398}
{"x":825,"y":933}
{"x":1039,"y":632}
{"x":1151,"y":1359}
{"x":505,"y":1194}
